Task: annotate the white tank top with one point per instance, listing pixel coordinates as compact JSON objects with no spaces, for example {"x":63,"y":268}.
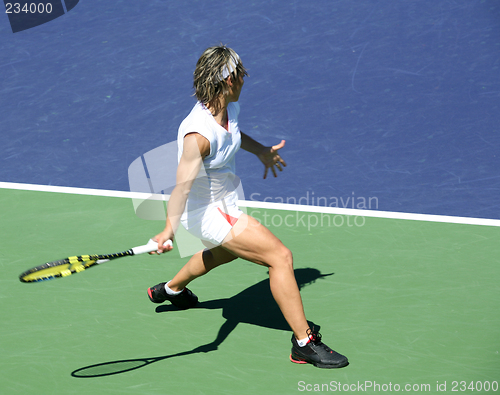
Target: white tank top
{"x":216,"y":179}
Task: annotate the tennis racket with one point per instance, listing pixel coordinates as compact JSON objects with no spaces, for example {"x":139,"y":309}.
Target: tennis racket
{"x":76,"y":264}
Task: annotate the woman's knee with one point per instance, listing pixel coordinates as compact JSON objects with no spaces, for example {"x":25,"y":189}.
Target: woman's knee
{"x":283,"y":258}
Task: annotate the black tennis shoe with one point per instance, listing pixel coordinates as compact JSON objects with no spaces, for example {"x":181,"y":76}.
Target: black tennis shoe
{"x":185,"y":300}
{"x":317,"y":353}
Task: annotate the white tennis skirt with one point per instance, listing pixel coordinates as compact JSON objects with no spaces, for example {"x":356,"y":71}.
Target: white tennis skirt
{"x":214,"y":222}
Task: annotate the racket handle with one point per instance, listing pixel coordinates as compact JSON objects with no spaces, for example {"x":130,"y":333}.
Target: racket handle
{"x":150,"y":247}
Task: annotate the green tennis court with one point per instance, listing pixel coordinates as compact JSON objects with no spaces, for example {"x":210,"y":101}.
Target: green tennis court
{"x":414,"y":305}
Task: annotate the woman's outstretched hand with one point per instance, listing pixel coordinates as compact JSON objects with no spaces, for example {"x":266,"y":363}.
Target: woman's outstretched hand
{"x":271,"y":159}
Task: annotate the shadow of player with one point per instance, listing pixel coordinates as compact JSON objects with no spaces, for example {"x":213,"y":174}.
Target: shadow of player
{"x":254,"y":305}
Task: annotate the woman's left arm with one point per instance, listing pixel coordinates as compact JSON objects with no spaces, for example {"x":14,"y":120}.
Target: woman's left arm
{"x":268,"y":155}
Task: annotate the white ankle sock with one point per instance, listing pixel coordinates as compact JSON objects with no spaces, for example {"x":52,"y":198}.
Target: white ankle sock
{"x":303,"y":342}
{"x":170,"y":292}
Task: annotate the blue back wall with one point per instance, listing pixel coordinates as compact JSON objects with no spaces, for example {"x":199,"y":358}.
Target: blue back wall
{"x":397,"y":101}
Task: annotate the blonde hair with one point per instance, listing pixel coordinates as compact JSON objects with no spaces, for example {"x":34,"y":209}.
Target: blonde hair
{"x":213,"y":68}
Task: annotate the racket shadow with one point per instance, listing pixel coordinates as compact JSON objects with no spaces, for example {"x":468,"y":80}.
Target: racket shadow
{"x":127,"y":365}
{"x":255,"y":305}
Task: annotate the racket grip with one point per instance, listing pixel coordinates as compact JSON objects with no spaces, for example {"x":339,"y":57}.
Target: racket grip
{"x":150,"y":247}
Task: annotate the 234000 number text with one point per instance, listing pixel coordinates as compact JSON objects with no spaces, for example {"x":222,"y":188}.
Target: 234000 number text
{"x":32,"y":8}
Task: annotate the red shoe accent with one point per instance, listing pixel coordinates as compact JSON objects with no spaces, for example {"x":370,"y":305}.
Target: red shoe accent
{"x":296,"y":360}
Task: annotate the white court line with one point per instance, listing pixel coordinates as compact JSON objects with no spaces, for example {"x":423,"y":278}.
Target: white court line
{"x":262,"y":205}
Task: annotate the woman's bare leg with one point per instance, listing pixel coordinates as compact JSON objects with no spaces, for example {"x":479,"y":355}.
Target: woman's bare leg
{"x":255,"y":243}
{"x":200,"y":264}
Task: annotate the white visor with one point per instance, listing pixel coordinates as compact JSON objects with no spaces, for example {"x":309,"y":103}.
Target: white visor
{"x":230,"y":66}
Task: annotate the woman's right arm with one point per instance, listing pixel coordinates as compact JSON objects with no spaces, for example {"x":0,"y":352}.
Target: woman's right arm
{"x":195,"y":149}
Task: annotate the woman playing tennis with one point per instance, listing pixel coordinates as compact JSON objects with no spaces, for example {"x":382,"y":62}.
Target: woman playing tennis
{"x":204,"y":201}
